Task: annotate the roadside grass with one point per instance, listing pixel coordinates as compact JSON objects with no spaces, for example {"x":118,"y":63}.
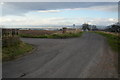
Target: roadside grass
{"x":113,"y":40}
{"x":12,"y":52}
{"x":65,"y":35}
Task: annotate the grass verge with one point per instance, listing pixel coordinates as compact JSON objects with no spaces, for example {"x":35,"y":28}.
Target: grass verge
{"x":65,"y":35}
{"x":114,"y":42}
{"x":12,"y":52}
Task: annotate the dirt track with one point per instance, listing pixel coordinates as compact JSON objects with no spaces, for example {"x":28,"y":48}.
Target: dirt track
{"x":86,"y":57}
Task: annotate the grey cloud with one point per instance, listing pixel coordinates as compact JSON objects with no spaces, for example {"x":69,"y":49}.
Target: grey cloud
{"x":20,"y":8}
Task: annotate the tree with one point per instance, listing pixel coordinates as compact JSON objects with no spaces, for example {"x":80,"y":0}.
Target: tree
{"x":85,"y":27}
{"x":115,"y":28}
{"x":94,"y":28}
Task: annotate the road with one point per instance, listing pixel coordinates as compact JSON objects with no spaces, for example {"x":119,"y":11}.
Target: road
{"x":88,"y":56}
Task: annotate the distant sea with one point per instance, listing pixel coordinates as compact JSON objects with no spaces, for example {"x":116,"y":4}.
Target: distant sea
{"x":39,"y":27}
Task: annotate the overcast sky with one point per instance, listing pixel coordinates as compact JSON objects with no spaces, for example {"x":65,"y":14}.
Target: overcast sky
{"x":58,"y":13}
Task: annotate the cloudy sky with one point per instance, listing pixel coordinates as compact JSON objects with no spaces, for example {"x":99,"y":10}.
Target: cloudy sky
{"x":58,"y":13}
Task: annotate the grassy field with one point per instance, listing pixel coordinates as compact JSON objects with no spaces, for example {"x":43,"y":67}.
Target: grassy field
{"x":37,"y":32}
{"x":12,"y":52}
{"x":53,"y":35}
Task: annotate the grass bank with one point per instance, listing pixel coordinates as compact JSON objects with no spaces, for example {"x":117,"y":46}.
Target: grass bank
{"x":12,"y":52}
{"x":65,"y":35}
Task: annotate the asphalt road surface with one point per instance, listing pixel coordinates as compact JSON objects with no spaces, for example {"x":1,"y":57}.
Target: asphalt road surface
{"x":88,"y":56}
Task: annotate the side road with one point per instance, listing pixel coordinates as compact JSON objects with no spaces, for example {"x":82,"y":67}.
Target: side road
{"x":88,"y":56}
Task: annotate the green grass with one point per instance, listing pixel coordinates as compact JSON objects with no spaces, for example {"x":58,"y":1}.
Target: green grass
{"x":65,"y":35}
{"x":113,"y":40}
{"x":12,"y":52}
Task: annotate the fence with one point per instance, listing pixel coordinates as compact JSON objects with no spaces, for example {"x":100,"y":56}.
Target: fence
{"x":9,"y":32}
